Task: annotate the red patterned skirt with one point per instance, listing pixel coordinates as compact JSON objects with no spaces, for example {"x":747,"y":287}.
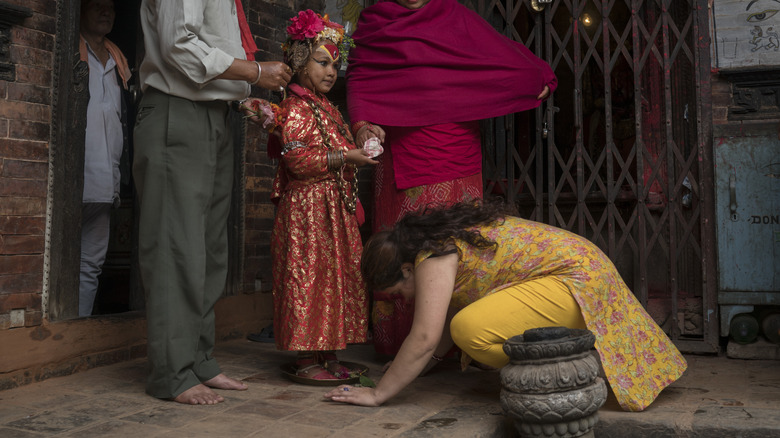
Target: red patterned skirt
{"x":320,"y":300}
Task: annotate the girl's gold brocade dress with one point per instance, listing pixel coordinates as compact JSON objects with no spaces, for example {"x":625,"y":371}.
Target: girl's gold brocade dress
{"x":320,"y":300}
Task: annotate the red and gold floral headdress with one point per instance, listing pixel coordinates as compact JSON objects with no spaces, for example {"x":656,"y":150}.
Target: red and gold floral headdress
{"x":305,"y":32}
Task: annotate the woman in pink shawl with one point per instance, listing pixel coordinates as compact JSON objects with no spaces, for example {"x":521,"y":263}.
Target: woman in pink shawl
{"x":422,"y":75}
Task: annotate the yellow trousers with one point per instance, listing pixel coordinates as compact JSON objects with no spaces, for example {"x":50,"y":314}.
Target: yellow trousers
{"x":481,"y":328}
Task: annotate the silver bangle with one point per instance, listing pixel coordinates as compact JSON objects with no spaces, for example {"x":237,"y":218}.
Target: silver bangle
{"x":259,"y":72}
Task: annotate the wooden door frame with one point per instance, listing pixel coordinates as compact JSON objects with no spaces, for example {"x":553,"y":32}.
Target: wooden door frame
{"x":70,"y":95}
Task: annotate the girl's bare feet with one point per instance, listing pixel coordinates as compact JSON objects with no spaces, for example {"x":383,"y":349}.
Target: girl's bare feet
{"x":222,"y":381}
{"x":199,"y":395}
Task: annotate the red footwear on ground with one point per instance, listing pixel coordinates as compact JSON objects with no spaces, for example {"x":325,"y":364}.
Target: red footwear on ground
{"x":337,"y":369}
{"x":310,"y":369}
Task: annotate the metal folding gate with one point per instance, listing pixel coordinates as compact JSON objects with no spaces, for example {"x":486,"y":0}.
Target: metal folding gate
{"x":622,"y":152}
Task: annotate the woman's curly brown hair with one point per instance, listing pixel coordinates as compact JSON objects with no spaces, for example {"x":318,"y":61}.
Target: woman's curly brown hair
{"x":432,"y":229}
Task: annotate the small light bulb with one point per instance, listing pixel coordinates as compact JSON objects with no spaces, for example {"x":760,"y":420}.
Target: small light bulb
{"x":586,"y":20}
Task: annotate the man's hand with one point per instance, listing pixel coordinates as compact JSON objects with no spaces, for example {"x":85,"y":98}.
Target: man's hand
{"x":274,"y":76}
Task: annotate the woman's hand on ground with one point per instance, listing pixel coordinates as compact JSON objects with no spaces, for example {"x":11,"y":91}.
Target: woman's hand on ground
{"x":353,"y":395}
{"x":369,"y":131}
{"x":359,"y":157}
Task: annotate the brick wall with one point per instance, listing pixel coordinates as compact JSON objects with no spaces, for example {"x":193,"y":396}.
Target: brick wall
{"x":25,"y":121}
{"x":25,"y":112}
{"x":762,"y":122}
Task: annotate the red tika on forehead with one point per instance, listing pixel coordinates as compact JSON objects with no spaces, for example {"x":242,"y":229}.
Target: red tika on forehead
{"x":332,"y":50}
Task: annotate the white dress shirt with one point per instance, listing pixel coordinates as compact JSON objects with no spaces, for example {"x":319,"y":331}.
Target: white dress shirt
{"x":188,"y":43}
{"x":104,"y":138}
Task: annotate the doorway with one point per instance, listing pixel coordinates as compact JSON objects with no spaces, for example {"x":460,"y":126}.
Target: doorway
{"x":120,"y":288}
{"x":622,"y":151}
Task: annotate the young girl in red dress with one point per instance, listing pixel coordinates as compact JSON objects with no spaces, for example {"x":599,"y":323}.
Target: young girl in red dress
{"x":320,"y":300}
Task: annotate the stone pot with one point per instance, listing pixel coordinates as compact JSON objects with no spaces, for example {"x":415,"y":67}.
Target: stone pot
{"x":551,"y":386}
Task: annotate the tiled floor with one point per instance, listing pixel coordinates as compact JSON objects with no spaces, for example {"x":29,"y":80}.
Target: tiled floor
{"x":716,"y":397}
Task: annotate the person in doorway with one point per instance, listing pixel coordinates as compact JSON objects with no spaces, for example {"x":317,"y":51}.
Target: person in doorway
{"x":106,"y":138}
{"x":199,"y":57}
{"x":320,"y":300}
{"x":421,"y":76}
{"x":480,"y":277}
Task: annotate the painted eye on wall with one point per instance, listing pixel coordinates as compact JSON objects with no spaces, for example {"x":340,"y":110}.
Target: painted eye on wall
{"x":761,"y":16}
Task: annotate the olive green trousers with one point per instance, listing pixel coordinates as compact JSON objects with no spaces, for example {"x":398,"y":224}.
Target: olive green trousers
{"x":183,"y":173}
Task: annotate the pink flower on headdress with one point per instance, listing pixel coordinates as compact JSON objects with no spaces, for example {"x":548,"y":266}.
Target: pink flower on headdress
{"x":306,"y":25}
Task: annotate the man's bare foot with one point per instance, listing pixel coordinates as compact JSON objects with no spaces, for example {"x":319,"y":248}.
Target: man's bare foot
{"x":199,"y":395}
{"x":222,"y":381}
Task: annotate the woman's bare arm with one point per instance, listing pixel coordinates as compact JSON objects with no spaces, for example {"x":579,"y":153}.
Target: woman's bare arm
{"x":434,"y":283}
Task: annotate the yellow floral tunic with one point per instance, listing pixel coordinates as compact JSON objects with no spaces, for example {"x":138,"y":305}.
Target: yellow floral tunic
{"x":639,"y":360}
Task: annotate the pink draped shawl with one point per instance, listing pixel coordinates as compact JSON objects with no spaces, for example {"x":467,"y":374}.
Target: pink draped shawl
{"x":441,"y":63}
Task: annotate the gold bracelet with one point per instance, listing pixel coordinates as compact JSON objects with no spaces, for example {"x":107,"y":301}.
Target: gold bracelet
{"x":259,"y":72}
{"x":335,"y":160}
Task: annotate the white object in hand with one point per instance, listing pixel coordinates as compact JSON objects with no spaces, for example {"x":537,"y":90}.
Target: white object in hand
{"x":373,"y":147}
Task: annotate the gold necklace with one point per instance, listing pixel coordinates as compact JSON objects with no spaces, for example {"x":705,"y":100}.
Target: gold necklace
{"x":350,"y":199}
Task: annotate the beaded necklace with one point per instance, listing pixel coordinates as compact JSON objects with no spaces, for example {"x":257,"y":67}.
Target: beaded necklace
{"x":350,"y":199}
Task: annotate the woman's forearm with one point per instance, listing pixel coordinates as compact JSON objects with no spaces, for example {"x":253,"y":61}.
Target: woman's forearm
{"x":412,"y":358}
{"x":444,"y":347}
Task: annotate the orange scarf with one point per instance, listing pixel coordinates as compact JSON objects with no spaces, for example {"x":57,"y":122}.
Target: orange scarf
{"x":121,"y":62}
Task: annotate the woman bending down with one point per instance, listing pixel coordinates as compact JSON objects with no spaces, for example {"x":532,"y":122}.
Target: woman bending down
{"x":499,"y":276}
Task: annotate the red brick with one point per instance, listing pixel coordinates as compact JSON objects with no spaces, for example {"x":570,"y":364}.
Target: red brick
{"x":24,"y":150}
{"x":29,"y":130}
{"x":28,"y":93}
{"x":17,"y":245}
{"x":21,"y":264}
{"x":22,"y":225}
{"x":36,"y":170}
{"x":23,"y":187}
{"x":15,"y":206}
{"x":24,"y":36}
{"x":255,"y":237}
{"x":44,"y":23}
{"x":253,"y":156}
{"x":31,"y":56}
{"x":45,"y":7}
{"x":21,"y":283}
{"x":29,"y":301}
{"x":33,"y":318}
{"x":32,"y":75}
{"x":3,"y":128}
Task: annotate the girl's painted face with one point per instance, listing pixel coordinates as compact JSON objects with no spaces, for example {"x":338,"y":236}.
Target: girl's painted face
{"x":412,"y":4}
{"x":322,"y":69}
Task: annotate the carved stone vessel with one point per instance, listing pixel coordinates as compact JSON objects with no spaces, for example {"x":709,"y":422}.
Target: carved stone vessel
{"x":551,"y":386}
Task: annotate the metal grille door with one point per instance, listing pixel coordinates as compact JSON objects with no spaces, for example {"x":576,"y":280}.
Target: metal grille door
{"x":622,"y":152}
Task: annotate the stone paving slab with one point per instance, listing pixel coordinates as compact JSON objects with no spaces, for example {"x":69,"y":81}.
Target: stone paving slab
{"x":717,"y":397}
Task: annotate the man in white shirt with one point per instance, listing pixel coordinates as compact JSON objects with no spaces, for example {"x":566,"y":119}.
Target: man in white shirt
{"x":105,"y":138}
{"x":194,"y":65}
